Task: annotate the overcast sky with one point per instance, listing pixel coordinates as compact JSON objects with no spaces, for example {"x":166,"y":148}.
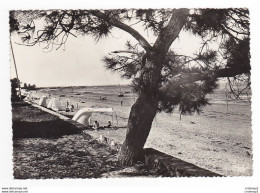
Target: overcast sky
{"x":79,"y":63}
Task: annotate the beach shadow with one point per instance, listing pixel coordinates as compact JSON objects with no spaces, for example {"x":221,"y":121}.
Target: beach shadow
{"x":43,"y":129}
{"x":20,"y":104}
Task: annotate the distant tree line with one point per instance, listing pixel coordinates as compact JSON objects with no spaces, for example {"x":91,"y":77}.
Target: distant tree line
{"x":29,"y":86}
{"x":15,"y":84}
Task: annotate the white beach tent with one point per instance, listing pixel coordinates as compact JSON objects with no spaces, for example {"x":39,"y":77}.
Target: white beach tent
{"x":83,"y":115}
{"x":50,"y":104}
{"x":29,"y":97}
{"x":24,"y":92}
{"x":43,"y":101}
{"x":54,"y":104}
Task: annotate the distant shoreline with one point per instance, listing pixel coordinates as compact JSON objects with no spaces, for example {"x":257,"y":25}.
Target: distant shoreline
{"x":105,"y":85}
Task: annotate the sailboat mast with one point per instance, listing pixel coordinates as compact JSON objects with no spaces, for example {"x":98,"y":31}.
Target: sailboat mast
{"x":18,"y":81}
{"x":120,"y":87}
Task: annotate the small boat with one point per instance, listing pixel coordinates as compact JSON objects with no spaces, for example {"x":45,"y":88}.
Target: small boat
{"x":120,"y":94}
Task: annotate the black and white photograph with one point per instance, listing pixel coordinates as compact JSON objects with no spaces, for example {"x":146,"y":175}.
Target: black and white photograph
{"x":131,"y":93}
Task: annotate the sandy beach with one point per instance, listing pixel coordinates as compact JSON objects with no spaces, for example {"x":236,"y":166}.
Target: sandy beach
{"x":219,"y":139}
{"x":48,"y":147}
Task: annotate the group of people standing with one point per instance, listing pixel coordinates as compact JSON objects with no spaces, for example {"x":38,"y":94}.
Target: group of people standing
{"x":71,"y":109}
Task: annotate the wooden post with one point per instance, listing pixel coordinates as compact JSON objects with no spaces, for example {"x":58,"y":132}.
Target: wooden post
{"x":226,"y":97}
{"x":112,"y":119}
{"x":116,"y":121}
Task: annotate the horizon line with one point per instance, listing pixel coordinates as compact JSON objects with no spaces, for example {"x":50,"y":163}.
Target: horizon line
{"x":84,"y":85}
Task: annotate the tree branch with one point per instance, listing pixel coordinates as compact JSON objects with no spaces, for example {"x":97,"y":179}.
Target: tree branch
{"x":171,"y":31}
{"x":228,"y":72}
{"x":186,"y":78}
{"x":124,"y":51}
{"x":235,"y":31}
{"x":227,"y":32}
{"x":115,"y":22}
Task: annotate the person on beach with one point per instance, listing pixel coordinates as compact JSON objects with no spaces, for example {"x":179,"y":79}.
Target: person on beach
{"x":96,"y":125}
{"x":67,"y":106}
{"x":109,"y":124}
{"x":72,"y":108}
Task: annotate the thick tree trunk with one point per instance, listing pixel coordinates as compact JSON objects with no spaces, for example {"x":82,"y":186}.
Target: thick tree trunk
{"x":144,"y":109}
{"x":142,"y":113}
{"x":139,"y":126}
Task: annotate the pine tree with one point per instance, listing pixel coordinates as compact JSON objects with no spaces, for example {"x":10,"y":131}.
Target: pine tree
{"x":163,"y":79}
